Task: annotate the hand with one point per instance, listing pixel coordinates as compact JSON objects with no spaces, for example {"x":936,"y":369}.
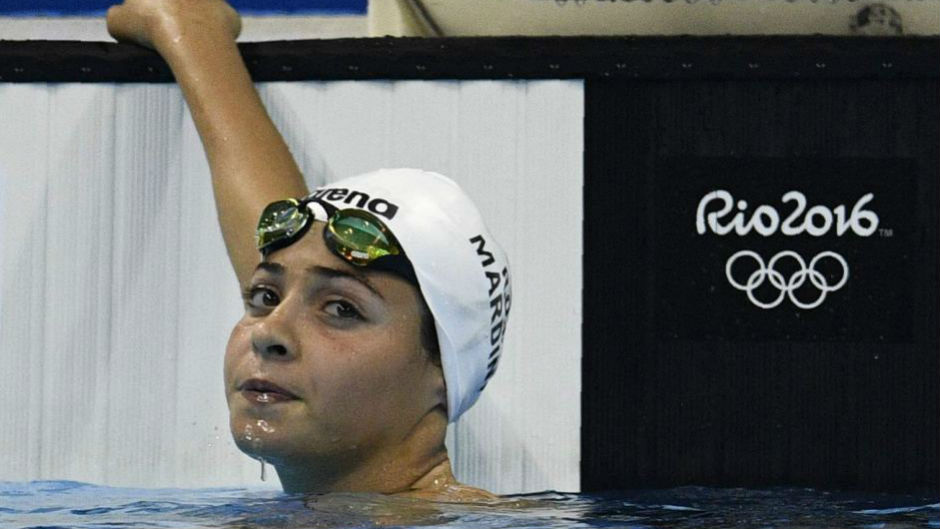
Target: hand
{"x":159,"y":23}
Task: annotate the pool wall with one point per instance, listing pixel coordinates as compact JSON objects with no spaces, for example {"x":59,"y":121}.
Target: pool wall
{"x":685,"y":379}
{"x":729,"y":370}
{"x":118,"y":297}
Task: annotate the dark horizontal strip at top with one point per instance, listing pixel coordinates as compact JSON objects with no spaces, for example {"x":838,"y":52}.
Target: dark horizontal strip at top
{"x":679,"y":57}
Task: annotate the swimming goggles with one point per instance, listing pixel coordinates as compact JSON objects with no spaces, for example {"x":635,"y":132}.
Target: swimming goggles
{"x":357,"y":236}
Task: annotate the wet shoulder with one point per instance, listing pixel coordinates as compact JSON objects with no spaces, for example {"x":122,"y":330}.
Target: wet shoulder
{"x":452,"y":493}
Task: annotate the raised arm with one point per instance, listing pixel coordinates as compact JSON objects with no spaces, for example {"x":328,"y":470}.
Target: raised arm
{"x":249,"y":161}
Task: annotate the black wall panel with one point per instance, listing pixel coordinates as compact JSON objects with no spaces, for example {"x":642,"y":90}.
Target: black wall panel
{"x":690,"y":382}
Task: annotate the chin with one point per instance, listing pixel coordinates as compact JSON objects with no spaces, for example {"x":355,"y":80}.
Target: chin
{"x":258,"y":438}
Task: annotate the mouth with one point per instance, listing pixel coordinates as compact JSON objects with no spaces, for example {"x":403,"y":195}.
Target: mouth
{"x":262,"y":391}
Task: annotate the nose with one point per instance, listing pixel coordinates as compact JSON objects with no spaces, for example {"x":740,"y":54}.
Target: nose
{"x":266,"y":346}
{"x":272,"y":337}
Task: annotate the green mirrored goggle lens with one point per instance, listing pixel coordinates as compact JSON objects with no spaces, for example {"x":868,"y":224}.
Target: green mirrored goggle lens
{"x":359,"y":237}
{"x":354,"y":235}
{"x":280,"y":221}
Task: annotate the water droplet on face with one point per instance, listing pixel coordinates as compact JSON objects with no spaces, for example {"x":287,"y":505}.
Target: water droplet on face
{"x":249,"y":433}
{"x":265,"y":427}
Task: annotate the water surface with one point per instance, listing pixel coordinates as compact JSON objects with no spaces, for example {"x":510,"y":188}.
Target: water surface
{"x":69,"y":504}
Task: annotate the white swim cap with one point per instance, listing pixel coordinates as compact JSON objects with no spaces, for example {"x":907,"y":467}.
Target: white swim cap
{"x":462,"y":272}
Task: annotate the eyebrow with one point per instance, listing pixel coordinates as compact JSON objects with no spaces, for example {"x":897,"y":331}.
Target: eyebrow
{"x":271,"y":268}
{"x":355,"y":275}
{"x":331,"y":273}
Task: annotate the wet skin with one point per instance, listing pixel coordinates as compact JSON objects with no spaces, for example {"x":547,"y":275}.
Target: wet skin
{"x":367,"y":410}
{"x":360,"y":404}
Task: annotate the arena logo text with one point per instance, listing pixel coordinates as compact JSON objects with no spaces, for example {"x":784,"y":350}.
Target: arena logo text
{"x":379,"y":206}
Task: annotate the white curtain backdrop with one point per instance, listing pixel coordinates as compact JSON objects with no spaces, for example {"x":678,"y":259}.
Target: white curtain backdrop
{"x":117,"y":297}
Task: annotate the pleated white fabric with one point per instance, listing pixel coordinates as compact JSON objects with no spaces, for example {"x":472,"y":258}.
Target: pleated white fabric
{"x":117,"y":297}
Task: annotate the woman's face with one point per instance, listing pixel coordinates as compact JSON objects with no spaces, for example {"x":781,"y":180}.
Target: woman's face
{"x":327,"y":363}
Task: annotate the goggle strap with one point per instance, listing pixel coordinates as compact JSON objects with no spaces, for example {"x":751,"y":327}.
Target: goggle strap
{"x":396,"y":264}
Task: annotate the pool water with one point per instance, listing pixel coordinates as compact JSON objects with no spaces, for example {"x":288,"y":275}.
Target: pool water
{"x":69,"y":504}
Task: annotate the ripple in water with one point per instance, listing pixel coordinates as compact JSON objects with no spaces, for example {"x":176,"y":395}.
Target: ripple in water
{"x":49,"y":504}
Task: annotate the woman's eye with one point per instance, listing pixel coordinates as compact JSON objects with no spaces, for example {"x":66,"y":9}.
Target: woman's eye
{"x":342,"y":309}
{"x":261,"y":297}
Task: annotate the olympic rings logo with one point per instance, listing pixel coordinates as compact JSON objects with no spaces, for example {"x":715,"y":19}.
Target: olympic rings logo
{"x":789,"y":286}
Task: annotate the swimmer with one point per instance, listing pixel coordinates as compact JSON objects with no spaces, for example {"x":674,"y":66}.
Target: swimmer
{"x":375,"y":307}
